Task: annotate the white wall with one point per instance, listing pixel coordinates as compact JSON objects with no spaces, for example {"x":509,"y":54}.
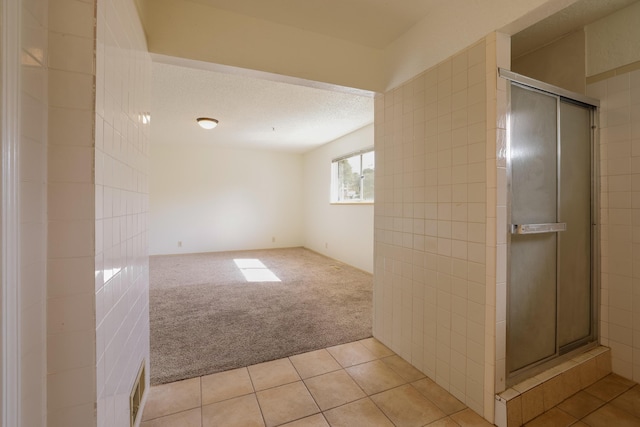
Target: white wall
{"x":561,"y":63}
{"x":220,"y":199}
{"x":343,"y":232}
{"x":613,"y":41}
{"x":454,"y":25}
{"x":198,"y":31}
{"x":33,"y":218}
{"x":177,"y":28}
{"x":71,"y":386}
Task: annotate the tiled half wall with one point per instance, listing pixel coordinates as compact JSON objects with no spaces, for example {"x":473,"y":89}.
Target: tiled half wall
{"x":435,"y":220}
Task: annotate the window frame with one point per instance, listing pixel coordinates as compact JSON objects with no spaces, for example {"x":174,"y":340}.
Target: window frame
{"x":335,"y":191}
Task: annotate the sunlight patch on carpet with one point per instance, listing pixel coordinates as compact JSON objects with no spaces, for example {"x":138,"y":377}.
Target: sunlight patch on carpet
{"x":255,"y":271}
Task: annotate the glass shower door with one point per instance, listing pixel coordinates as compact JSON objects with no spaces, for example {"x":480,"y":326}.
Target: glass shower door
{"x":549,"y":286}
{"x":574,"y":245}
{"x":531,"y":325}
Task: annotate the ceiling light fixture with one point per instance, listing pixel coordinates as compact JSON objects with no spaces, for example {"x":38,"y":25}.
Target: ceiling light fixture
{"x":207,"y":122}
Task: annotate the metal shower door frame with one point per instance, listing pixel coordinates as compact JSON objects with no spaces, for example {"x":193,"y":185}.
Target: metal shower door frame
{"x":592,"y":340}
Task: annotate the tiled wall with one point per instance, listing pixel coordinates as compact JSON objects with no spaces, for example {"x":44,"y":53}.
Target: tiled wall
{"x":431,"y":222}
{"x":123,"y":77}
{"x":2,"y":119}
{"x":33,"y":196}
{"x":70,"y":273}
{"x":620,"y":217}
{"x":97,"y":207}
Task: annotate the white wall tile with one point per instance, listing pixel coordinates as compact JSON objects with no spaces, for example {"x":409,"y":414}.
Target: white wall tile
{"x":71,"y":53}
{"x":70,"y":164}
{"x":70,"y":127}
{"x":121,"y":207}
{"x":71,"y":17}
{"x":88,"y":246}
{"x":453,"y":168}
{"x":70,"y":90}
{"x":71,"y":388}
{"x":618,"y":158}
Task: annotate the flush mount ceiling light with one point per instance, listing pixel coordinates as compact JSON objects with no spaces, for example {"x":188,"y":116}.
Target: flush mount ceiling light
{"x":207,"y":123}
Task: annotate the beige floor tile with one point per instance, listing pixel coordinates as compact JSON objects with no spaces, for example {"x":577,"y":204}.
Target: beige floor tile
{"x":629,"y":401}
{"x":439,"y":396}
{"x":286,"y":403}
{"x":378,"y":349}
{"x":225,"y":385}
{"x":610,"y":416}
{"x":171,"y":398}
{"x":468,"y":418}
{"x":444,"y":422}
{"x":359,"y":413}
{"x":238,"y":412}
{"x":396,"y":397}
{"x":609,"y":387}
{"x":334,"y":389}
{"x":316,"y":420}
{"x":403,"y":368}
{"x":580,"y":404}
{"x":351,"y":354}
{"x":190,"y":418}
{"x":272,"y":374}
{"x":375,"y":377}
{"x":314,"y":363}
{"x":407,"y":407}
{"x":552,"y":418}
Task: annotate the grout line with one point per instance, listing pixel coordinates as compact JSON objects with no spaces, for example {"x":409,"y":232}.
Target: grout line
{"x":171,"y":414}
{"x":311,"y":394}
{"x":356,"y":382}
{"x":255,"y":396}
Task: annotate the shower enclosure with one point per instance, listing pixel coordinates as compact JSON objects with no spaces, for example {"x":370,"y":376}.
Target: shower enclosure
{"x":552,"y":263}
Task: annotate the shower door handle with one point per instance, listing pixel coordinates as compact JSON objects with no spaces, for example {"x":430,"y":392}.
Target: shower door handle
{"x":553,"y":227}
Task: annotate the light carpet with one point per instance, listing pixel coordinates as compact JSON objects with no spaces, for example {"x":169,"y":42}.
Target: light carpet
{"x":205,"y":317}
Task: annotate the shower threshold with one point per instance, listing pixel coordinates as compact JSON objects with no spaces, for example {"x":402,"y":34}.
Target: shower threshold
{"x":528,"y":399}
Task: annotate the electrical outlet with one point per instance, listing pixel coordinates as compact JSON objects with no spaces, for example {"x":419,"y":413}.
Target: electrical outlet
{"x":179,"y":243}
{"x":273,"y":239}
{"x":326,"y":245}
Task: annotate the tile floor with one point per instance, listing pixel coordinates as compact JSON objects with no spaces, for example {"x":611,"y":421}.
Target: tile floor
{"x":357,"y":384}
{"x":611,"y":402}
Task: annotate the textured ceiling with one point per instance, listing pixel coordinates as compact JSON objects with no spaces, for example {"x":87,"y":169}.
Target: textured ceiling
{"x":271,"y":114}
{"x":373,"y":23}
{"x":253,"y":113}
{"x":566,"y":21}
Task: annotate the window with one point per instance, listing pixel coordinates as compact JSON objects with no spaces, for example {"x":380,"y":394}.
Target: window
{"x":352,"y":178}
